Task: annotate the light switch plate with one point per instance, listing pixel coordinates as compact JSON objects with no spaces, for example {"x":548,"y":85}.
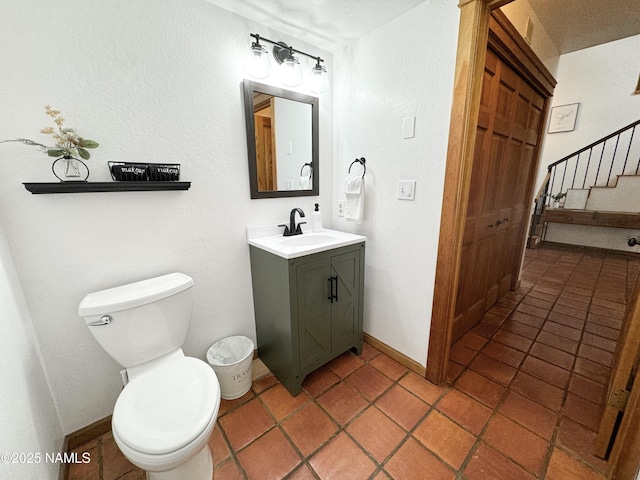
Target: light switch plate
{"x":409,"y":127}
{"x":406,"y":190}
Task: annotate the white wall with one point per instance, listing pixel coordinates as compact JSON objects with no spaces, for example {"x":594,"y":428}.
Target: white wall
{"x":151,"y":82}
{"x":403,"y":69}
{"x":602,"y":80}
{"x":27,"y":413}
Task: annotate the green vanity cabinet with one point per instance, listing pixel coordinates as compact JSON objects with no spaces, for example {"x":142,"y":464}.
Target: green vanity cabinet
{"x":308,"y":309}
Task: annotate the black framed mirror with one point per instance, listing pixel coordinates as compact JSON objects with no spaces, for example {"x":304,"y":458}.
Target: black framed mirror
{"x":282,"y":141}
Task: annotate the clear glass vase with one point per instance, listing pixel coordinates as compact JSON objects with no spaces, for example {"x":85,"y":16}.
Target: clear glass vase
{"x":70,"y":169}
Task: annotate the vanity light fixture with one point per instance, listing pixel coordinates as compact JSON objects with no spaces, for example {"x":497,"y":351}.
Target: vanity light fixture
{"x":319,"y":79}
{"x":257,"y":63}
{"x":290,"y":72}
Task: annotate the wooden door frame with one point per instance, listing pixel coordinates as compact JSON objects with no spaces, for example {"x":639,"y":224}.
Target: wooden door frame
{"x":624,"y":460}
{"x":473,"y":37}
{"x":472,"y":45}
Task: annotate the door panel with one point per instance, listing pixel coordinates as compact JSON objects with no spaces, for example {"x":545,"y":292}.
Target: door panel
{"x":503,"y":168}
{"x":326,"y":326}
{"x":265,"y":147}
{"x":476,"y":189}
{"x":344,"y":321}
{"x":313,"y":311}
{"x":264,"y":153}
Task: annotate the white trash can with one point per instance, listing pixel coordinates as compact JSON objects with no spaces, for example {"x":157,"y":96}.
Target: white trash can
{"x":231,"y":359}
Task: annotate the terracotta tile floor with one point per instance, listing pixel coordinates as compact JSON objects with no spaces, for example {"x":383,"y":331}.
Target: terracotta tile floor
{"x":523,"y":403}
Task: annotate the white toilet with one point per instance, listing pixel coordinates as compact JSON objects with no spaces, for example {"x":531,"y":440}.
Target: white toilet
{"x":166,"y":412}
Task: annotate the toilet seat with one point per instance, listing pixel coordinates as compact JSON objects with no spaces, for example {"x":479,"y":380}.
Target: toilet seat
{"x":166,"y":408}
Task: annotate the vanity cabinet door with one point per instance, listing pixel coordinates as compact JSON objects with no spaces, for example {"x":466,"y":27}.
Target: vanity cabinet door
{"x":308,"y":309}
{"x":328,"y":306}
{"x":345,"y":311}
{"x":314,"y":311}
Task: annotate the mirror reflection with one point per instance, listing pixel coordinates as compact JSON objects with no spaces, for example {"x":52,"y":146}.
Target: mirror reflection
{"x":282,"y":141}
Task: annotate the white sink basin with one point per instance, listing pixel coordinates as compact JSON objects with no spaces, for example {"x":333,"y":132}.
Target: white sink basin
{"x":270,"y":238}
{"x":307,"y":240}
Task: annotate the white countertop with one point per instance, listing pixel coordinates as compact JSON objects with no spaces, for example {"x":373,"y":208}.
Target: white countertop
{"x":270,"y":239}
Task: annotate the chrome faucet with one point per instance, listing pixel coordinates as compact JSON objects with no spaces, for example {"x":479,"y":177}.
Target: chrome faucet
{"x":293,"y":229}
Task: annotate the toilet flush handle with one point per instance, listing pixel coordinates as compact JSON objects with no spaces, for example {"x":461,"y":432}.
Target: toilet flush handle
{"x":104,"y":320}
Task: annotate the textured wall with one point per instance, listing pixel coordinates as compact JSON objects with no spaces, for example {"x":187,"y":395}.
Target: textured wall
{"x":152,"y":82}
{"x":404,"y":69}
{"x":27,"y":413}
{"x":602,"y":80}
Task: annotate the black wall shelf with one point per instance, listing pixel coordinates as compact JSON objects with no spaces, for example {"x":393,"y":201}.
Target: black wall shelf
{"x":89,"y":187}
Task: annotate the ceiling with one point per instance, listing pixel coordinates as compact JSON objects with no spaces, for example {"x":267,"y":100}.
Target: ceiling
{"x":576,"y":24}
{"x":328,"y":24}
{"x":331,"y":24}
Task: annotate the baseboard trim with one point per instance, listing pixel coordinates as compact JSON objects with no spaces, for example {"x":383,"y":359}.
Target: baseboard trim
{"x":88,"y":433}
{"x":80,"y":437}
{"x":401,"y":358}
{"x":585,"y":248}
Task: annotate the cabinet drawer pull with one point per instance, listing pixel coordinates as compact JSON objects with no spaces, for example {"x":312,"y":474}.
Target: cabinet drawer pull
{"x":333,"y":280}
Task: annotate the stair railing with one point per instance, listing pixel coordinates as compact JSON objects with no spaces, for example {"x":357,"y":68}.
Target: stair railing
{"x":538,"y":209}
{"x":616,"y":154}
{"x":597,"y":164}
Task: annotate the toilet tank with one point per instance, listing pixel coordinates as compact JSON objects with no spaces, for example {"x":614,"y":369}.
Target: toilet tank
{"x":140,"y":321}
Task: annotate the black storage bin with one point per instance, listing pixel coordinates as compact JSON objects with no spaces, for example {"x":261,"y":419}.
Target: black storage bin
{"x":164,"y":172}
{"x":129,"y":172}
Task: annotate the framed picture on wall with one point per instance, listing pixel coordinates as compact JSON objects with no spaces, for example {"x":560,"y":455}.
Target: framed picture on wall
{"x":563,"y":118}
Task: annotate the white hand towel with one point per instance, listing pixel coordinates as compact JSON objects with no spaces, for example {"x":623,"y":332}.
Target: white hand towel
{"x":305,"y":183}
{"x":354,"y":198}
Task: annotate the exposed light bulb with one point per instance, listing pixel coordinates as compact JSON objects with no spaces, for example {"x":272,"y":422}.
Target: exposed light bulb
{"x":290,"y":72}
{"x":257,"y":64}
{"x":319,"y":79}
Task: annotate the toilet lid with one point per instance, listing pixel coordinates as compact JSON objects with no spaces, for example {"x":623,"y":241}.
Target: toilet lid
{"x":166,"y":408}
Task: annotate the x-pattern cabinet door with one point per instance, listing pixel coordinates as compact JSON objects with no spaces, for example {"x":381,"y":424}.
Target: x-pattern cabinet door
{"x":345,"y":313}
{"x":314,"y":310}
{"x":328,"y":305}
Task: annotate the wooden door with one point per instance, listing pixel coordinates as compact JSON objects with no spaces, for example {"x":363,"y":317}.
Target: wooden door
{"x":508,"y":129}
{"x":265,"y":147}
{"x":623,"y":377}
